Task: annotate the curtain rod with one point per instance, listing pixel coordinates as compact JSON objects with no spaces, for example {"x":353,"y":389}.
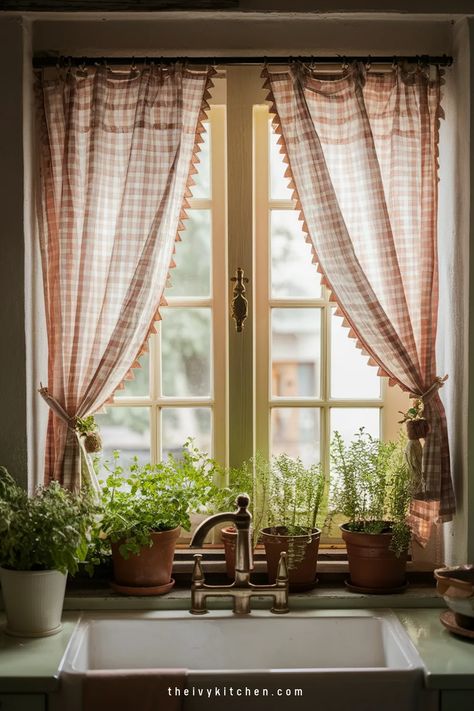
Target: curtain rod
{"x":49,"y":61}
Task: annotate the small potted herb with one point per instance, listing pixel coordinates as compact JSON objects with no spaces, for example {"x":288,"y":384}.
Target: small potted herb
{"x":42,"y":539}
{"x":250,"y":478}
{"x":295,"y":498}
{"x":371,"y":487}
{"x":144,"y":508}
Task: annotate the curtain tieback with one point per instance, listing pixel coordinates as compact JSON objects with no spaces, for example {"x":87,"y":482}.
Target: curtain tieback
{"x":71,"y":423}
{"x":58,"y":409}
{"x":416,"y":429}
{"x":425,"y":397}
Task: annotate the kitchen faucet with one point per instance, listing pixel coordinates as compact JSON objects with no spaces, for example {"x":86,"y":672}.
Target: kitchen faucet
{"x":241,"y":590}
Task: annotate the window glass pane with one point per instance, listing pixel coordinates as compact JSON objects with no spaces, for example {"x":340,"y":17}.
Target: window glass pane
{"x":293,"y":273}
{"x":186,"y":351}
{"x":180,"y":423}
{"x":348,"y":420}
{"x":295,"y":431}
{"x":202,"y":188}
{"x":128,"y":430}
{"x":278,"y":184}
{"x":351,"y":376}
{"x":192,"y":276}
{"x":296,"y":347}
{"x":139,"y":387}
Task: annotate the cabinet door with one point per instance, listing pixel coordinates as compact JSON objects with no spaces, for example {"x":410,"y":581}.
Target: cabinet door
{"x":457,"y":700}
{"x":22,"y":702}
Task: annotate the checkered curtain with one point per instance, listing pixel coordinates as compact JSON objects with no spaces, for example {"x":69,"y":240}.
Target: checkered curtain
{"x":116,"y":156}
{"x":362,"y":161}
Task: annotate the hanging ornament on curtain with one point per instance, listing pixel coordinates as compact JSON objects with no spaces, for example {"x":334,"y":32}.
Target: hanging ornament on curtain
{"x":89,"y":431}
{"x":418,"y":428}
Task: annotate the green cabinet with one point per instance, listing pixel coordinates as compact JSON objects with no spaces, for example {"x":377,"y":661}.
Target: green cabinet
{"x":457,"y":700}
{"x":22,"y":702}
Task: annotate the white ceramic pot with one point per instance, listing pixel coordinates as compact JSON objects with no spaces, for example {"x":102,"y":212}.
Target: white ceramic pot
{"x":33,"y":601}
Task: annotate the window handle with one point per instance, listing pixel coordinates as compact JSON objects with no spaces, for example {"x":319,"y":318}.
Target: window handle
{"x":240,"y":305}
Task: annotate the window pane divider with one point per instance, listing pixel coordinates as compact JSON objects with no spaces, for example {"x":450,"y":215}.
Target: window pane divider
{"x":188,"y":301}
{"x":281,"y":204}
{"x":315,"y":402}
{"x":163,"y":401}
{"x":184,"y":402}
{"x":297,"y":303}
{"x":200,"y":203}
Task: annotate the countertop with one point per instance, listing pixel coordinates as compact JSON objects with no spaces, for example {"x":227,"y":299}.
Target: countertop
{"x":449,"y":659}
{"x":31,"y":665}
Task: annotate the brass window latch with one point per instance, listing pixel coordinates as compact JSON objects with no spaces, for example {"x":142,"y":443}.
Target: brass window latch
{"x":240,"y":305}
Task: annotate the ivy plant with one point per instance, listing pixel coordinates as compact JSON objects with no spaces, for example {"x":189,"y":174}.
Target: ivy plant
{"x":48,"y":531}
{"x":371,"y":486}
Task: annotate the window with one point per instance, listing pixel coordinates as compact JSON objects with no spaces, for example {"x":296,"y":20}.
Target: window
{"x":292,"y":376}
{"x":179,"y":391}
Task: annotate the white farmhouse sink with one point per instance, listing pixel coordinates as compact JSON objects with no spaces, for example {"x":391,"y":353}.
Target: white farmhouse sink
{"x":359,"y":658}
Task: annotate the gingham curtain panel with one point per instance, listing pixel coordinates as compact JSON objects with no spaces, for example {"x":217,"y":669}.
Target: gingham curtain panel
{"x":362,"y":161}
{"x":117,"y":152}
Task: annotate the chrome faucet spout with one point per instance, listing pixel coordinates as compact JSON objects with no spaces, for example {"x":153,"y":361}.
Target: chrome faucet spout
{"x":241,"y":590}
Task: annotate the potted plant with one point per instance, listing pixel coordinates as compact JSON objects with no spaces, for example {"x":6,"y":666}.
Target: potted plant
{"x":144,"y":508}
{"x":42,"y":539}
{"x":295,"y":499}
{"x":371,"y":487}
{"x":204,"y":475}
{"x":249,"y":478}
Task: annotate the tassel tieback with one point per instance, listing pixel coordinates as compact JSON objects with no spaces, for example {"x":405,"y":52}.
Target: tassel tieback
{"x":418,"y":428}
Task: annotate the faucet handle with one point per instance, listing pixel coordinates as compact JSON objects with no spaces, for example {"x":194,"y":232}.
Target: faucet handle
{"x":243,"y":500}
{"x":197,"y":578}
{"x":282,"y":570}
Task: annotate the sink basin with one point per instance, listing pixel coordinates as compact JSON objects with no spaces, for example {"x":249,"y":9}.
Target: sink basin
{"x":356,"y":657}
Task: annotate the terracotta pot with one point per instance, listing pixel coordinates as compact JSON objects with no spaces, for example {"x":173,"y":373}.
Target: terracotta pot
{"x":417,"y":429}
{"x":229,"y":539}
{"x":371,"y":562}
{"x":148,"y":571}
{"x":302,"y":556}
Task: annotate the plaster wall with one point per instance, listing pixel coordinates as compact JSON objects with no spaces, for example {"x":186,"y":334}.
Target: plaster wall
{"x":453,"y":230}
{"x":13,"y":421}
{"x":224,"y":33}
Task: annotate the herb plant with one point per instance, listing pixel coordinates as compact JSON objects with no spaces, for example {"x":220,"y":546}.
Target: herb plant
{"x":48,"y":531}
{"x":295,"y":497}
{"x":250,"y":478}
{"x":371,"y":486}
{"x":144,"y":499}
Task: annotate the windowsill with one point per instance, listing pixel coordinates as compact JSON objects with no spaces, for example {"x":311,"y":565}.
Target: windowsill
{"x":84,"y":593}
{"x":324,"y":596}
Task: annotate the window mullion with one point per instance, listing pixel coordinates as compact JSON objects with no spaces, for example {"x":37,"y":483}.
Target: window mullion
{"x":243,"y":91}
{"x":219,"y":304}
{"x":262,"y":283}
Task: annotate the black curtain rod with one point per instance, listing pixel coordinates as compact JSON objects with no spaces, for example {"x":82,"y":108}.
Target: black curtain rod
{"x":48,"y":61}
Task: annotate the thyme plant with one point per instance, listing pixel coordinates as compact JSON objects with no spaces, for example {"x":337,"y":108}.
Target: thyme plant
{"x":371,"y":486}
{"x":295,"y":495}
